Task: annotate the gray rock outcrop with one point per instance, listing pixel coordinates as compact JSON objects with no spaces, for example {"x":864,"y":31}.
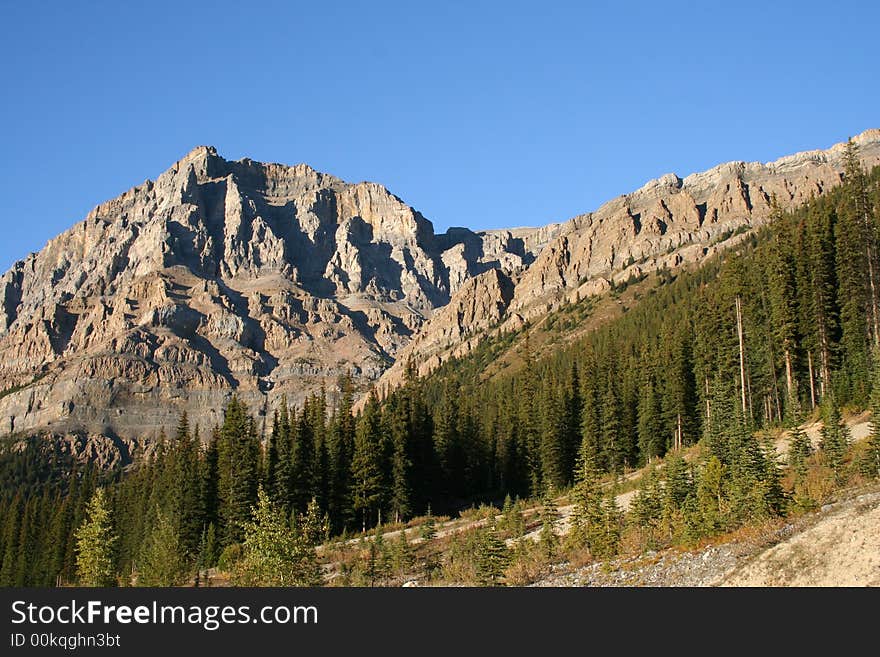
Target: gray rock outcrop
{"x":265,"y":280}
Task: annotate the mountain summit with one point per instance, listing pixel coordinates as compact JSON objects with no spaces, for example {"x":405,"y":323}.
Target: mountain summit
{"x":268,"y":280}
{"x":223,"y":276}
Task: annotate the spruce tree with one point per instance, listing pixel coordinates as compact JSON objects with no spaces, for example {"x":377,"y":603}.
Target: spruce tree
{"x":528,"y":417}
{"x":548,"y":539}
{"x":553,"y":451}
{"x":678,"y":481}
{"x":271,"y":456}
{"x":650,"y":422}
{"x":10,"y":540}
{"x":237,"y":470}
{"x":590,"y":410}
{"x":646,"y":509}
{"x":572,"y":410}
{"x":853,"y":292}
{"x":823,"y":304}
{"x":401,"y":461}
{"x":835,"y":438}
{"x":341,"y":451}
{"x":423,"y":467}
{"x":281,"y":475}
{"x":401,"y":554}
{"x":799,"y":450}
{"x":781,"y":278}
{"x":605,"y":545}
{"x":302,"y":459}
{"x":613,"y":445}
{"x":512,"y":521}
{"x":873,"y":451}
{"x":187,"y":503}
{"x":429,"y":528}
{"x":492,"y":557}
{"x":366,"y":474}
{"x":587,"y":498}
{"x":710,"y":499}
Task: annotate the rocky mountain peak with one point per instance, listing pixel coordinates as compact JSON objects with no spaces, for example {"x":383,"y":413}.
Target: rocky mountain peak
{"x":219,"y":277}
{"x":668,"y":222}
{"x":263,"y":280}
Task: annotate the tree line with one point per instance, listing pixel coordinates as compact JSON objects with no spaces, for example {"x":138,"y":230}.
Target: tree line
{"x":761,"y":337}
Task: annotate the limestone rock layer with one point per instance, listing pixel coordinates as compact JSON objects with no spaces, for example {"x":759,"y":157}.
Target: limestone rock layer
{"x":265,"y":280}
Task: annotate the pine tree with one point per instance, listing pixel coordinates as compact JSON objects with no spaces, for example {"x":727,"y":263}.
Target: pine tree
{"x":512,"y":521}
{"x":710,"y":495}
{"x":650,"y":422}
{"x":873,"y":452}
{"x":553,"y":456}
{"x":401,"y":462}
{"x":237,"y":471}
{"x":186,"y":504}
{"x":548,"y":539}
{"x":302,"y":458}
{"x":799,"y":450}
{"x":613,"y":451}
{"x":94,"y":543}
{"x":590,"y":412}
{"x":646,"y":509}
{"x":835,"y":438}
{"x":401,"y":556}
{"x":429,"y":528}
{"x":587,"y":498}
{"x":281,"y":475}
{"x":492,"y":557}
{"x":781,"y":278}
{"x":341,"y":451}
{"x":366,"y":473}
{"x":823,"y":305}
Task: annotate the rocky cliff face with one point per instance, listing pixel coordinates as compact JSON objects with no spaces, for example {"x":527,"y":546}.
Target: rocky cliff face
{"x":223,"y":276}
{"x":668,"y":222}
{"x":265,"y":279}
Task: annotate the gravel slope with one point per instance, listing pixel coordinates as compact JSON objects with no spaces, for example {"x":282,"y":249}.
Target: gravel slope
{"x":841,"y":549}
{"x":838,"y":545}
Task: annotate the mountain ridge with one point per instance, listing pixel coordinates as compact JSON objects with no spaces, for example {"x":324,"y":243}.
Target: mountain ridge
{"x":263,"y":280}
{"x":667,"y":222}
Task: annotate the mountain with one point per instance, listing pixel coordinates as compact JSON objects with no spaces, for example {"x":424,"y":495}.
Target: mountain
{"x":666,"y":223}
{"x":269,"y":280}
{"x":223,"y":276}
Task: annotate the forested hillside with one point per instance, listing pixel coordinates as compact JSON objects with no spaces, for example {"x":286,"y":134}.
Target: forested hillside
{"x":783,"y":326}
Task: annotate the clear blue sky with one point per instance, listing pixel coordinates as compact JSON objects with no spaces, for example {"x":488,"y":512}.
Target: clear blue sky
{"x":481,"y":114}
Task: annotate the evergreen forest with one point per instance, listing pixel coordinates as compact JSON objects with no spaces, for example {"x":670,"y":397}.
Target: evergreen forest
{"x":780,"y":329}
